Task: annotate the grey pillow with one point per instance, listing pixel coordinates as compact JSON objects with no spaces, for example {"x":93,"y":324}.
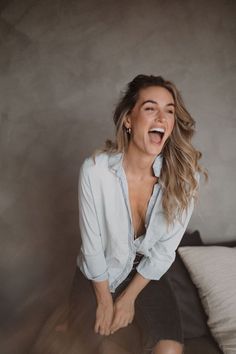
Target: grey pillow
{"x":213,"y":271}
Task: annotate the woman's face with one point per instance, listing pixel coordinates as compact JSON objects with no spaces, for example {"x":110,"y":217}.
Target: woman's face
{"x":155,"y":108}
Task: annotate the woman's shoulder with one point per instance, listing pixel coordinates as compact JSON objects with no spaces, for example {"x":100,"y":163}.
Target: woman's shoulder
{"x":95,"y":162}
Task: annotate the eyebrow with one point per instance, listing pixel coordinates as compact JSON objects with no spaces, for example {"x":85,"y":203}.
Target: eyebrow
{"x":151,"y":101}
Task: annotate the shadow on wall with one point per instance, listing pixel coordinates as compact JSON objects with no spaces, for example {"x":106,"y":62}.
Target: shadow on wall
{"x":39,"y":215}
{"x":39,"y":227}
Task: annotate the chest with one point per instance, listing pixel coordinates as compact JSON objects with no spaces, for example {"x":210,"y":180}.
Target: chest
{"x":139,"y":193}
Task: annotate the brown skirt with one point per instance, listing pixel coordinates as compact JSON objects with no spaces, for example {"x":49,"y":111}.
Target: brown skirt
{"x":156,"y":311}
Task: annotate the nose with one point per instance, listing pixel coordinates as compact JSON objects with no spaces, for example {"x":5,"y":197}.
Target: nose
{"x":160,"y":115}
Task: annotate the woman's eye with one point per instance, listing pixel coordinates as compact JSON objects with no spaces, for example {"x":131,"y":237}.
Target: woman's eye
{"x":149,"y":109}
{"x":171,"y":112}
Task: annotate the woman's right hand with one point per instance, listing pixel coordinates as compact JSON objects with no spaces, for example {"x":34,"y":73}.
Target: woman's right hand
{"x":104,"y":316}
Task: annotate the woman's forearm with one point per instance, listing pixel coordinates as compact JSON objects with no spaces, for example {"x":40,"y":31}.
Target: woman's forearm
{"x":135,"y":286}
{"x":102,"y":291}
{"x":104,"y":312}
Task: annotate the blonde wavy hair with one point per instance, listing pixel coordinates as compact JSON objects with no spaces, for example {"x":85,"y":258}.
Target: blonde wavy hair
{"x":180,"y":158}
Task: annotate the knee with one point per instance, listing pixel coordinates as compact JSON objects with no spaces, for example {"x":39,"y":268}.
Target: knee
{"x":166,"y":346}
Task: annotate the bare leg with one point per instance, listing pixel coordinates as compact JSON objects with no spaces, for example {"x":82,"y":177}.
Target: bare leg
{"x":167,"y":346}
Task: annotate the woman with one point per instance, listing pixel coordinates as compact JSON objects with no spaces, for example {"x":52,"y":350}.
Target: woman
{"x":136,"y":197}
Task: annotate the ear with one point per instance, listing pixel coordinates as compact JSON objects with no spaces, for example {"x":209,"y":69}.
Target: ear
{"x":127,"y":121}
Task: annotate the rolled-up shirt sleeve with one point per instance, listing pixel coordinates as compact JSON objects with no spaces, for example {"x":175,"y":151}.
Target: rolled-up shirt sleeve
{"x":91,"y":259}
{"x":163,"y":252}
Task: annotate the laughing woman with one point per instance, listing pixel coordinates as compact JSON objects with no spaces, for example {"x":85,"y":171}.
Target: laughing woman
{"x":136,"y":197}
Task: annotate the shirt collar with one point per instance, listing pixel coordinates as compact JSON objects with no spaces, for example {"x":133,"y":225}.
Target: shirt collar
{"x":115,"y":163}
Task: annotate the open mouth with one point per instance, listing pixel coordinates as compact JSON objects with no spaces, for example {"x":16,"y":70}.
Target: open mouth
{"x":156,"y":135}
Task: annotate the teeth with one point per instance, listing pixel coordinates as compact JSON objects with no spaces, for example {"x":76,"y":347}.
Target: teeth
{"x":162,"y":130}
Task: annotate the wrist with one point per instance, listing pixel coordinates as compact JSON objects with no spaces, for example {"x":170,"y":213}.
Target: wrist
{"x":102,"y":292}
{"x":130,"y":294}
{"x":135,"y":286}
{"x":104,"y":299}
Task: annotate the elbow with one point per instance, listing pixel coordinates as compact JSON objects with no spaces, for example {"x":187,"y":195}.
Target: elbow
{"x":93,"y":267}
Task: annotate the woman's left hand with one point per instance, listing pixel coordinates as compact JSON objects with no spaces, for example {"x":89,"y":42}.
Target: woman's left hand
{"x":123,"y":312}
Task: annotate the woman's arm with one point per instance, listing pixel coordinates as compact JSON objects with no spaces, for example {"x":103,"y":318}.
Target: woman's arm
{"x":162,"y":252}
{"x":101,"y":289}
{"x":124,"y":304}
{"x":92,"y":259}
{"x":135,"y":286}
{"x":104,"y":312}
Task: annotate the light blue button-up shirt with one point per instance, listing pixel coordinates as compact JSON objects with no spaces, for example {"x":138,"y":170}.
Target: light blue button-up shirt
{"x":108,"y":246}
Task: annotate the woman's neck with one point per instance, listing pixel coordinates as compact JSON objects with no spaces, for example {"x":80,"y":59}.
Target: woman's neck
{"x":138,"y":164}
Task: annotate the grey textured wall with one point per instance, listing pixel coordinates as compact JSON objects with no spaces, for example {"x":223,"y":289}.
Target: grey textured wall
{"x":62,"y":66}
